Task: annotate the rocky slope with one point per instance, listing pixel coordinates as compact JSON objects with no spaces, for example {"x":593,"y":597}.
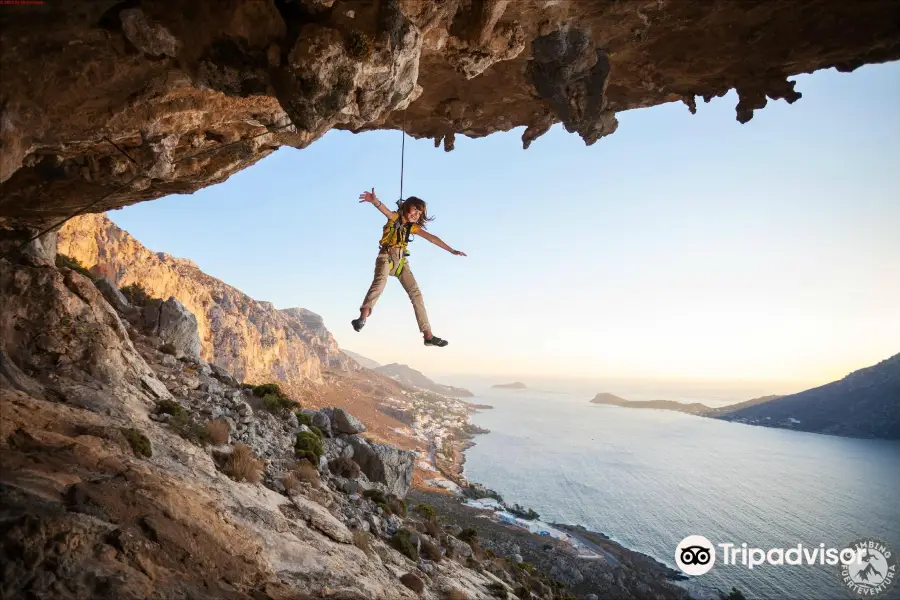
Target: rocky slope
{"x":409,"y":376}
{"x":108,"y":103}
{"x":134,"y":469}
{"x":865,"y":404}
{"x":251,"y":339}
{"x":107,"y":493}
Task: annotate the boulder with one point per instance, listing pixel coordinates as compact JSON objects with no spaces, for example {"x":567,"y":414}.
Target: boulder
{"x":319,"y":518}
{"x":223,"y":375}
{"x":344,"y":422}
{"x":112,"y":294}
{"x":321,"y":420}
{"x":178,"y":326}
{"x":457,"y":547}
{"x":384,"y":464}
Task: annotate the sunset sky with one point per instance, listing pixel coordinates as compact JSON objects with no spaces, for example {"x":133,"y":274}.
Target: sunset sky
{"x":683,"y":246}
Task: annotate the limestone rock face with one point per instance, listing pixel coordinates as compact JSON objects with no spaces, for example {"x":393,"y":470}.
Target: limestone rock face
{"x":344,"y":422}
{"x":251,"y":340}
{"x":384,"y":464}
{"x":178,"y":326}
{"x":106,"y":104}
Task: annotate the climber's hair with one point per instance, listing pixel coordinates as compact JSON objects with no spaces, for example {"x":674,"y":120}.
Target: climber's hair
{"x":417,"y":203}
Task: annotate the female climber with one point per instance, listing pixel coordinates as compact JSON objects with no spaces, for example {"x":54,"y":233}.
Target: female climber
{"x":409,"y":219}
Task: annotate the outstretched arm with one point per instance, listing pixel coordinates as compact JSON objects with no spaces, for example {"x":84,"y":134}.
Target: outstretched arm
{"x":371,"y":198}
{"x":439,"y":242}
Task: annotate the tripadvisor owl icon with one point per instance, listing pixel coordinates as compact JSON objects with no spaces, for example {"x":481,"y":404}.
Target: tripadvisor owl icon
{"x":873,"y":570}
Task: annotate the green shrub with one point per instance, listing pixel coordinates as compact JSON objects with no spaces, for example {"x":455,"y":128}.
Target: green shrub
{"x":468,"y":534}
{"x":303,"y":418}
{"x":266,"y":389}
{"x":309,"y":446}
{"x":317,"y":432}
{"x":734,"y":594}
{"x":276,"y":404}
{"x":139,"y":443}
{"x":426,"y":510}
{"x":135,"y":294}
{"x":498,"y":590}
{"x":67,"y":262}
{"x":171,"y":407}
{"x":404,"y":542}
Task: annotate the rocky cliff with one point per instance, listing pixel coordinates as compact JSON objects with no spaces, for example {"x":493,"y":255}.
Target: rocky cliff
{"x":119,"y":480}
{"x":108,"y":103}
{"x":251,"y":339}
{"x":864,"y":404}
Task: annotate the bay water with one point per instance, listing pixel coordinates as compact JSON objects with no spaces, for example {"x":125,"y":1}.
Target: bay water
{"x":650,"y":478}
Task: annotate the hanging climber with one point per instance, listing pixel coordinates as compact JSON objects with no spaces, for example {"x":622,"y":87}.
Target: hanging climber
{"x":409,"y":219}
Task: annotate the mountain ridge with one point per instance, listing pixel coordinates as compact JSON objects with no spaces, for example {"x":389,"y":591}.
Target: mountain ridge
{"x":409,"y":376}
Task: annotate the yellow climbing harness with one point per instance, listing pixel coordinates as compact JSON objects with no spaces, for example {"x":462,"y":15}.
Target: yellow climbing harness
{"x":396,"y":236}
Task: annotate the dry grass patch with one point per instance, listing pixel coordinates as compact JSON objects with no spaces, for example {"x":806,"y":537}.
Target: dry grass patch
{"x":243,"y":465}
{"x":217,"y":431}
{"x":457,"y":595}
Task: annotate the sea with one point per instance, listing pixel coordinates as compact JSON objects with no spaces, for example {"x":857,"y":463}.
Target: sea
{"x":650,"y":478}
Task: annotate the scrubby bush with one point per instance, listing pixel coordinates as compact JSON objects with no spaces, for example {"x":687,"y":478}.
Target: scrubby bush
{"x":734,"y":594}
{"x":426,"y":510}
{"x":317,"y":432}
{"x":397,"y":506}
{"x":303,"y":472}
{"x":522,"y":512}
{"x":413,"y":582}
{"x":309,"y":446}
{"x":344,"y":467}
{"x":276,"y":404}
{"x":171,"y":407}
{"x":433,"y":528}
{"x":455,"y":594}
{"x":135,"y":294}
{"x":431,"y":550}
{"x":468,"y":535}
{"x":375,"y":495}
{"x":243,"y":465}
{"x":139,"y":443}
{"x":303,"y":418}
{"x":64,"y":261}
{"x":498,"y":590}
{"x":265,"y":389}
{"x":217,"y":431}
{"x":404,"y":542}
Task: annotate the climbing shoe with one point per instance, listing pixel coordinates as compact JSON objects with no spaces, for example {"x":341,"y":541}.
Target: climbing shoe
{"x":436,"y":341}
{"x":358,"y":323}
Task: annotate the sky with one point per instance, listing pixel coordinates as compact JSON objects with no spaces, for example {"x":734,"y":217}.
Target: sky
{"x":682,"y":247}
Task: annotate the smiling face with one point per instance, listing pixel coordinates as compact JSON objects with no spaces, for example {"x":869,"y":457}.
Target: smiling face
{"x":413,"y":214}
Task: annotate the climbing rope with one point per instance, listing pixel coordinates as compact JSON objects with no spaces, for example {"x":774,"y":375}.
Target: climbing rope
{"x":175,"y":162}
{"x":402,"y":152}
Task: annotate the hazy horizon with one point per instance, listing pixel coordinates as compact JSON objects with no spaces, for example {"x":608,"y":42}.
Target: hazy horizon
{"x":683,"y":248}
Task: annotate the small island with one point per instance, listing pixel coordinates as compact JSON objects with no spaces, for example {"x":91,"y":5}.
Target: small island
{"x":516,"y":385}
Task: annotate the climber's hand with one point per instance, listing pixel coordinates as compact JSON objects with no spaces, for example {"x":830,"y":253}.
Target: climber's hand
{"x":368,"y":197}
{"x":458,"y":253}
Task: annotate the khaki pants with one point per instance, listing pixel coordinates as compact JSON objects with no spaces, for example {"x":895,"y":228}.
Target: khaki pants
{"x":382,"y":272}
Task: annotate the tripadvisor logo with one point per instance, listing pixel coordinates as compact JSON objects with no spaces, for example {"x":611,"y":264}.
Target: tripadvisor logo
{"x":873,"y":572}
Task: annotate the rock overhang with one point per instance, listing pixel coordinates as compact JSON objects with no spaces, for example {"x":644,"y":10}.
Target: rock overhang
{"x":105,"y":104}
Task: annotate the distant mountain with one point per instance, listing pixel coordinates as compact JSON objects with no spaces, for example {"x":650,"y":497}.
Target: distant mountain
{"x":516,"y":385}
{"x":694,"y":408}
{"x":366,"y":362}
{"x":864,"y":404}
{"x":409,"y":376}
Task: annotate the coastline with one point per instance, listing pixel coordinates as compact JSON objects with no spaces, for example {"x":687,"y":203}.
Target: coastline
{"x":586,"y":561}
